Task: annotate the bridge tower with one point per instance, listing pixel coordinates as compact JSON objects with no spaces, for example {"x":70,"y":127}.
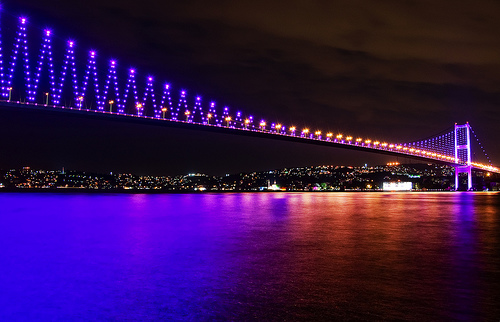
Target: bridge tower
{"x":463,"y":153}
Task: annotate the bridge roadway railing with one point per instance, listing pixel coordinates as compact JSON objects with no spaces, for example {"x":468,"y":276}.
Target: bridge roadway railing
{"x":263,"y":131}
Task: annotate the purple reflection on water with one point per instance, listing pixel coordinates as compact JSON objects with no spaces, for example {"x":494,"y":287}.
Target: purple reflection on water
{"x":249,"y":256}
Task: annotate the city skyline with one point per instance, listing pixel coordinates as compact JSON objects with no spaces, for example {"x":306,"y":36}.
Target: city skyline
{"x":390,"y":177}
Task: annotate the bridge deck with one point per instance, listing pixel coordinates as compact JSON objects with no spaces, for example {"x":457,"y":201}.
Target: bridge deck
{"x":254,"y":132}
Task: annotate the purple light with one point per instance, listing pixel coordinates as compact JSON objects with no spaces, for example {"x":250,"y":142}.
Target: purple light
{"x":167,"y":100}
{"x":197,"y":111}
{"x":3,"y":93}
{"x":91,"y":69}
{"x":463,"y":153}
{"x":111,"y":76}
{"x":130,"y":85}
{"x":238,"y":119}
{"x":182,"y":101}
{"x":45,"y":55}
{"x":68,"y":63}
{"x":212,"y":111}
{"x":19,"y":46}
{"x":225,"y":114}
{"x":148,"y":91}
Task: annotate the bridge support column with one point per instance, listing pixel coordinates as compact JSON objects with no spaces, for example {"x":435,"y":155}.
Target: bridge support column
{"x":463,"y":154}
{"x":463,"y":169}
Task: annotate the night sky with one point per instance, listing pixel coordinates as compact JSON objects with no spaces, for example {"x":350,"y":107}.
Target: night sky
{"x":389,"y":70}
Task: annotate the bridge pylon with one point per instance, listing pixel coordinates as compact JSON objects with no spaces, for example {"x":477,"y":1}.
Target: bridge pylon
{"x":463,"y":154}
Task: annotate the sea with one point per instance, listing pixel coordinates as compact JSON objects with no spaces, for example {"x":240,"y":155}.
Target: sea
{"x":281,"y":256}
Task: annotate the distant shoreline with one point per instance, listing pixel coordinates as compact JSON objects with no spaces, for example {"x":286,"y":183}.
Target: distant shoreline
{"x":159,"y":191}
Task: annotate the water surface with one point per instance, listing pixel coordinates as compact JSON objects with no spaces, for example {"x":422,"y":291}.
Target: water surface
{"x":250,"y":256}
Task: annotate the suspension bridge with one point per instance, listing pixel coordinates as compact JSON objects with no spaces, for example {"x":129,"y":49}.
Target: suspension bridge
{"x":34,"y":75}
